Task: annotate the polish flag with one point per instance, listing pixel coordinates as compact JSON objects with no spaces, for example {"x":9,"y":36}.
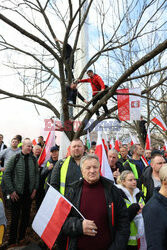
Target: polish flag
{"x":34,"y":142}
{"x":117,"y":143}
{"x":158,"y":121}
{"x":129,"y":106}
{"x":144,"y":161}
{"x":64,"y":146}
{"x":112,"y":144}
{"x":133,"y":139}
{"x":45,"y":154}
{"x":165,"y":146}
{"x":51,"y":216}
{"x":148,"y":140}
{"x":101,"y":153}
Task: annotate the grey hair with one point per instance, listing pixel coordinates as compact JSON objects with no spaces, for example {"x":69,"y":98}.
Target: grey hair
{"x":89,"y":157}
{"x":124,"y":174}
{"x":113,"y":151}
{"x":163,"y":172}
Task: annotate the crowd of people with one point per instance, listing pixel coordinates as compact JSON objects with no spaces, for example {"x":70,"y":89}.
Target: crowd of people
{"x":127,"y":213}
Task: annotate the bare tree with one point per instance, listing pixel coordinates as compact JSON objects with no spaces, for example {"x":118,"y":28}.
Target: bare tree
{"x":121,"y":32}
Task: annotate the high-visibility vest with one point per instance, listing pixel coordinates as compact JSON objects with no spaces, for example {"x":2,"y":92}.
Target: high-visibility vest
{"x":144,"y":190}
{"x":63,"y":174}
{"x":134,"y":169}
{"x":133,"y":229}
{"x":46,"y":179}
{"x":1,"y":174}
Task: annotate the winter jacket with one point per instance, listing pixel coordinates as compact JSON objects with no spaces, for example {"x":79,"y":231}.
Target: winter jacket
{"x":97,"y":83}
{"x":117,"y":216}
{"x":128,"y":166}
{"x":155,"y":221}
{"x":146,"y":183}
{"x":14,"y":175}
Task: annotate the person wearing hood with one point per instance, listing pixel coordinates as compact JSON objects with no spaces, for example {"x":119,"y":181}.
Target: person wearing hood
{"x":133,"y":198}
{"x":155,"y":215}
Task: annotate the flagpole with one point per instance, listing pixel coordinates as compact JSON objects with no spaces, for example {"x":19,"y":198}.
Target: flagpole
{"x":68,"y":202}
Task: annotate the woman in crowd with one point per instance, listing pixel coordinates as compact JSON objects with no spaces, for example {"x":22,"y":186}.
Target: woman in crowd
{"x":133,"y":198}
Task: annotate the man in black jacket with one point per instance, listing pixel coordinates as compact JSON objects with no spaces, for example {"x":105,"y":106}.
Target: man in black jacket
{"x":150,"y":176}
{"x":71,"y":93}
{"x":155,"y":215}
{"x":105,"y":225}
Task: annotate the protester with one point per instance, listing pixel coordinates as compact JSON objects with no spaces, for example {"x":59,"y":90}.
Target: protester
{"x":21,"y":181}
{"x":133,"y":198}
{"x":7,"y":153}
{"x":68,"y":55}
{"x":123,"y":154}
{"x":115,"y":166}
{"x":41,"y":141}
{"x":135,"y":164}
{"x":3,"y":222}
{"x":150,"y":177}
{"x":97,"y":85}
{"x":155,"y":215}
{"x":71,"y":94}
{"x":68,"y":170}
{"x":19,"y":138}
{"x":47,"y":170}
{"x":2,"y":144}
{"x":143,"y":130}
{"x":36,"y":151}
{"x":91,"y":150}
{"x":104,"y":228}
{"x":147,"y":154}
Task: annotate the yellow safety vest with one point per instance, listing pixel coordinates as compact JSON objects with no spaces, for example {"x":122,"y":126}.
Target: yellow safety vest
{"x":63,"y":174}
{"x":133,"y":229}
{"x":1,"y":174}
{"x":134,"y":169}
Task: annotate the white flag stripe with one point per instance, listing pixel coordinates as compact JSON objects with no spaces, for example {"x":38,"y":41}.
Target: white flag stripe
{"x":46,"y":210}
{"x":134,"y":102}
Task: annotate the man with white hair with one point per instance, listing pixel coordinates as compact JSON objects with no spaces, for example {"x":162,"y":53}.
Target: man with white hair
{"x":155,"y":215}
{"x":106,"y":224}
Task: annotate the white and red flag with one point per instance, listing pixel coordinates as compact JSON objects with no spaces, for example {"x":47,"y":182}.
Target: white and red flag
{"x":133,"y":139}
{"x":101,"y":153}
{"x":117,"y":143}
{"x":165,"y":146}
{"x":64,"y":146}
{"x":148,"y":140}
{"x":45,"y":154}
{"x":112,"y":143}
{"x":145,"y":162}
{"x":129,"y":106}
{"x":51,"y":216}
{"x":158,"y":121}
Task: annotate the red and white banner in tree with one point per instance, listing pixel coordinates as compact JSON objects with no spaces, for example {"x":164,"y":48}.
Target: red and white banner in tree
{"x":129,"y":106}
{"x":158,"y":121}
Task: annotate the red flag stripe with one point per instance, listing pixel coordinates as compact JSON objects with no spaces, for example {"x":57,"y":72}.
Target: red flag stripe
{"x":123,"y":105}
{"x":159,"y":123}
{"x":58,"y":217}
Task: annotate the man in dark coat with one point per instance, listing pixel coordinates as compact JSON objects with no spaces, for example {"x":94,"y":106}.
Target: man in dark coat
{"x":105,"y":225}
{"x":155,"y":215}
